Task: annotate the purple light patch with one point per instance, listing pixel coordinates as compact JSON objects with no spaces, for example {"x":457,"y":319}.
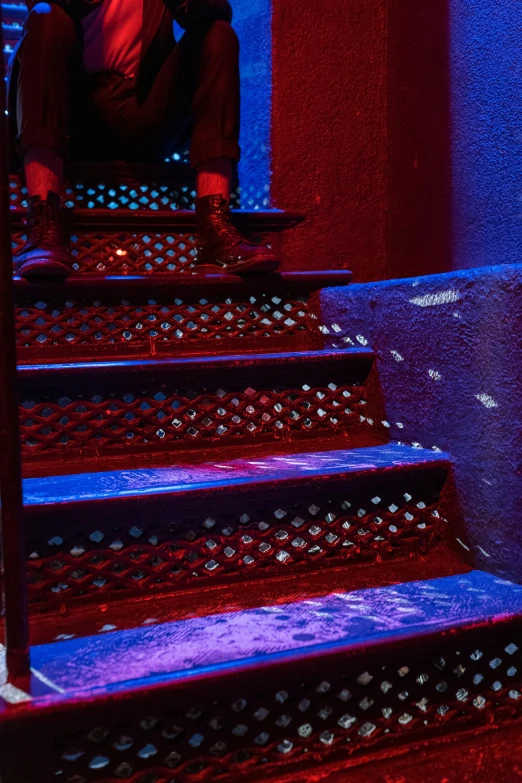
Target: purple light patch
{"x":157,"y":481}
{"x":172,"y":651}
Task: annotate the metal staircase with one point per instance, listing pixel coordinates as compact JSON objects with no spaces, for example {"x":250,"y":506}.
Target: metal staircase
{"x":232,"y":573}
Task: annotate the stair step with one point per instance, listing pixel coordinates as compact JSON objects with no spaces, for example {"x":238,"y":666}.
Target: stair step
{"x":139,"y":219}
{"x":111,"y":186}
{"x":105,"y":242}
{"x":113,"y":535}
{"x":74,"y":416}
{"x":12,"y":32}
{"x":148,"y":315}
{"x":117,"y":187}
{"x":278,"y":688}
{"x":13,"y":18}
{"x":14,"y":12}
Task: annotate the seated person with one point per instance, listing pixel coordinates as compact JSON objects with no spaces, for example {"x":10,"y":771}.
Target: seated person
{"x":96,"y":75}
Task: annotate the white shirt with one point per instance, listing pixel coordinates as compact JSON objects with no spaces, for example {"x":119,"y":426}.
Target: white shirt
{"x":113,"y":35}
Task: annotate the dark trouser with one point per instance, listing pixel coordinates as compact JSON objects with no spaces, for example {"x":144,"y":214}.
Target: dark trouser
{"x":194,"y":94}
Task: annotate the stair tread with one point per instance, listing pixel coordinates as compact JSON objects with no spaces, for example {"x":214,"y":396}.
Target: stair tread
{"x":306,"y":281}
{"x":125,"y":218}
{"x":186,"y":478}
{"x":123,"y":661}
{"x":142,"y":366}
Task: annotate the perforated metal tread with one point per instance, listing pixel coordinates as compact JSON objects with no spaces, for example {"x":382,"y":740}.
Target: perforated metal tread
{"x":163,"y":217}
{"x":47,"y":374}
{"x":73,"y":414}
{"x":302,"y":282}
{"x":109,"y":536}
{"x":186,"y":313}
{"x":139,"y":245}
{"x":14,"y":11}
{"x":119,"y":660}
{"x":281,"y":687}
{"x":12,"y":32}
{"x":113,"y":191}
{"x":302,"y":468}
{"x":13,"y":18}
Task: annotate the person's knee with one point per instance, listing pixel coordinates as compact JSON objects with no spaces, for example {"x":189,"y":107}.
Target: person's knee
{"x":50,"y":23}
{"x":222,"y":38}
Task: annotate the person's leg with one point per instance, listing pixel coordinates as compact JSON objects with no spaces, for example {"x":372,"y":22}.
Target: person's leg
{"x":198,"y":88}
{"x":49,"y":56}
{"x":215,"y":107}
{"x":215,"y":177}
{"x":43,"y":171}
{"x":214,"y":150}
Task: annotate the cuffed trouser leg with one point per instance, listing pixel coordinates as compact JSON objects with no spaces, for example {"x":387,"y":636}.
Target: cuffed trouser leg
{"x":216,"y":101}
{"x":50,"y":62}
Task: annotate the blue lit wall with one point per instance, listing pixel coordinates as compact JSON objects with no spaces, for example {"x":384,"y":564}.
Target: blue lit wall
{"x":449,"y":360}
{"x":252,"y":21}
{"x":486,"y":111}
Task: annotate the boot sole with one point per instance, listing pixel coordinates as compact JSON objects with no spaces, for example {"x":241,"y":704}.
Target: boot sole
{"x":259,"y":265}
{"x":39,"y":269}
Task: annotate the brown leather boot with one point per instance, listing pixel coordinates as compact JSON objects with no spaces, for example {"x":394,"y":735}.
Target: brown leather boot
{"x":222,"y":247}
{"x":45,"y":253}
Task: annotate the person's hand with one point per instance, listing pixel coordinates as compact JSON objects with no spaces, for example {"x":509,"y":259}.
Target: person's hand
{"x":189,"y":13}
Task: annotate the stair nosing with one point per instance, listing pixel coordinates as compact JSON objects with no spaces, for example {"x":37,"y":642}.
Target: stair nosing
{"x":147,"y":686}
{"x":104,"y":219}
{"x":305,"y":281}
{"x":201,"y":363}
{"x":426,"y":460}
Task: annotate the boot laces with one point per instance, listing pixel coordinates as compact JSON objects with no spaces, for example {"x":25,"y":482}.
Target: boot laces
{"x":226,"y":228}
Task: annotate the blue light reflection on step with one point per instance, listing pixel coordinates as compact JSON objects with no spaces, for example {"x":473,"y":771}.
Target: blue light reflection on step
{"x":264,"y":359}
{"x":171,"y":651}
{"x":178,"y":478}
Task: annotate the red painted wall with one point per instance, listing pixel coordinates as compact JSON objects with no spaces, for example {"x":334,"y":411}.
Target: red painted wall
{"x":419,"y":145}
{"x":329,"y":131}
{"x":360,"y":134}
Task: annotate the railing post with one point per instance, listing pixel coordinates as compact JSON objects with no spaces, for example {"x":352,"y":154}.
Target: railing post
{"x":13,"y":548}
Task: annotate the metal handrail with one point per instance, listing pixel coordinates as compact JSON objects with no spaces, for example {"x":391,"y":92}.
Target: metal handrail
{"x":12,"y":534}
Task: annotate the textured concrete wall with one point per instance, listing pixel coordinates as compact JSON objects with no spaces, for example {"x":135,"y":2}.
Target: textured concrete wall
{"x":486,"y":106}
{"x":329,"y":131}
{"x":397,"y":126}
{"x":450,"y":364}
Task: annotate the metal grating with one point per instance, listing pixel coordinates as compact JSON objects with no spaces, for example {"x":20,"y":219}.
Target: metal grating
{"x":188,"y":547}
{"x":122,"y":187}
{"x":125,"y":253}
{"x":160,"y":417}
{"x":128,"y":253}
{"x":338,"y":708}
{"x":167,"y":322}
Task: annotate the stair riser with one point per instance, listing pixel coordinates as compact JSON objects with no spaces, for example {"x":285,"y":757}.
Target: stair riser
{"x":124,"y":188}
{"x":143,"y":253}
{"x":56,"y":325}
{"x":93,"y":417}
{"x":281,"y":715}
{"x":149,"y":547}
